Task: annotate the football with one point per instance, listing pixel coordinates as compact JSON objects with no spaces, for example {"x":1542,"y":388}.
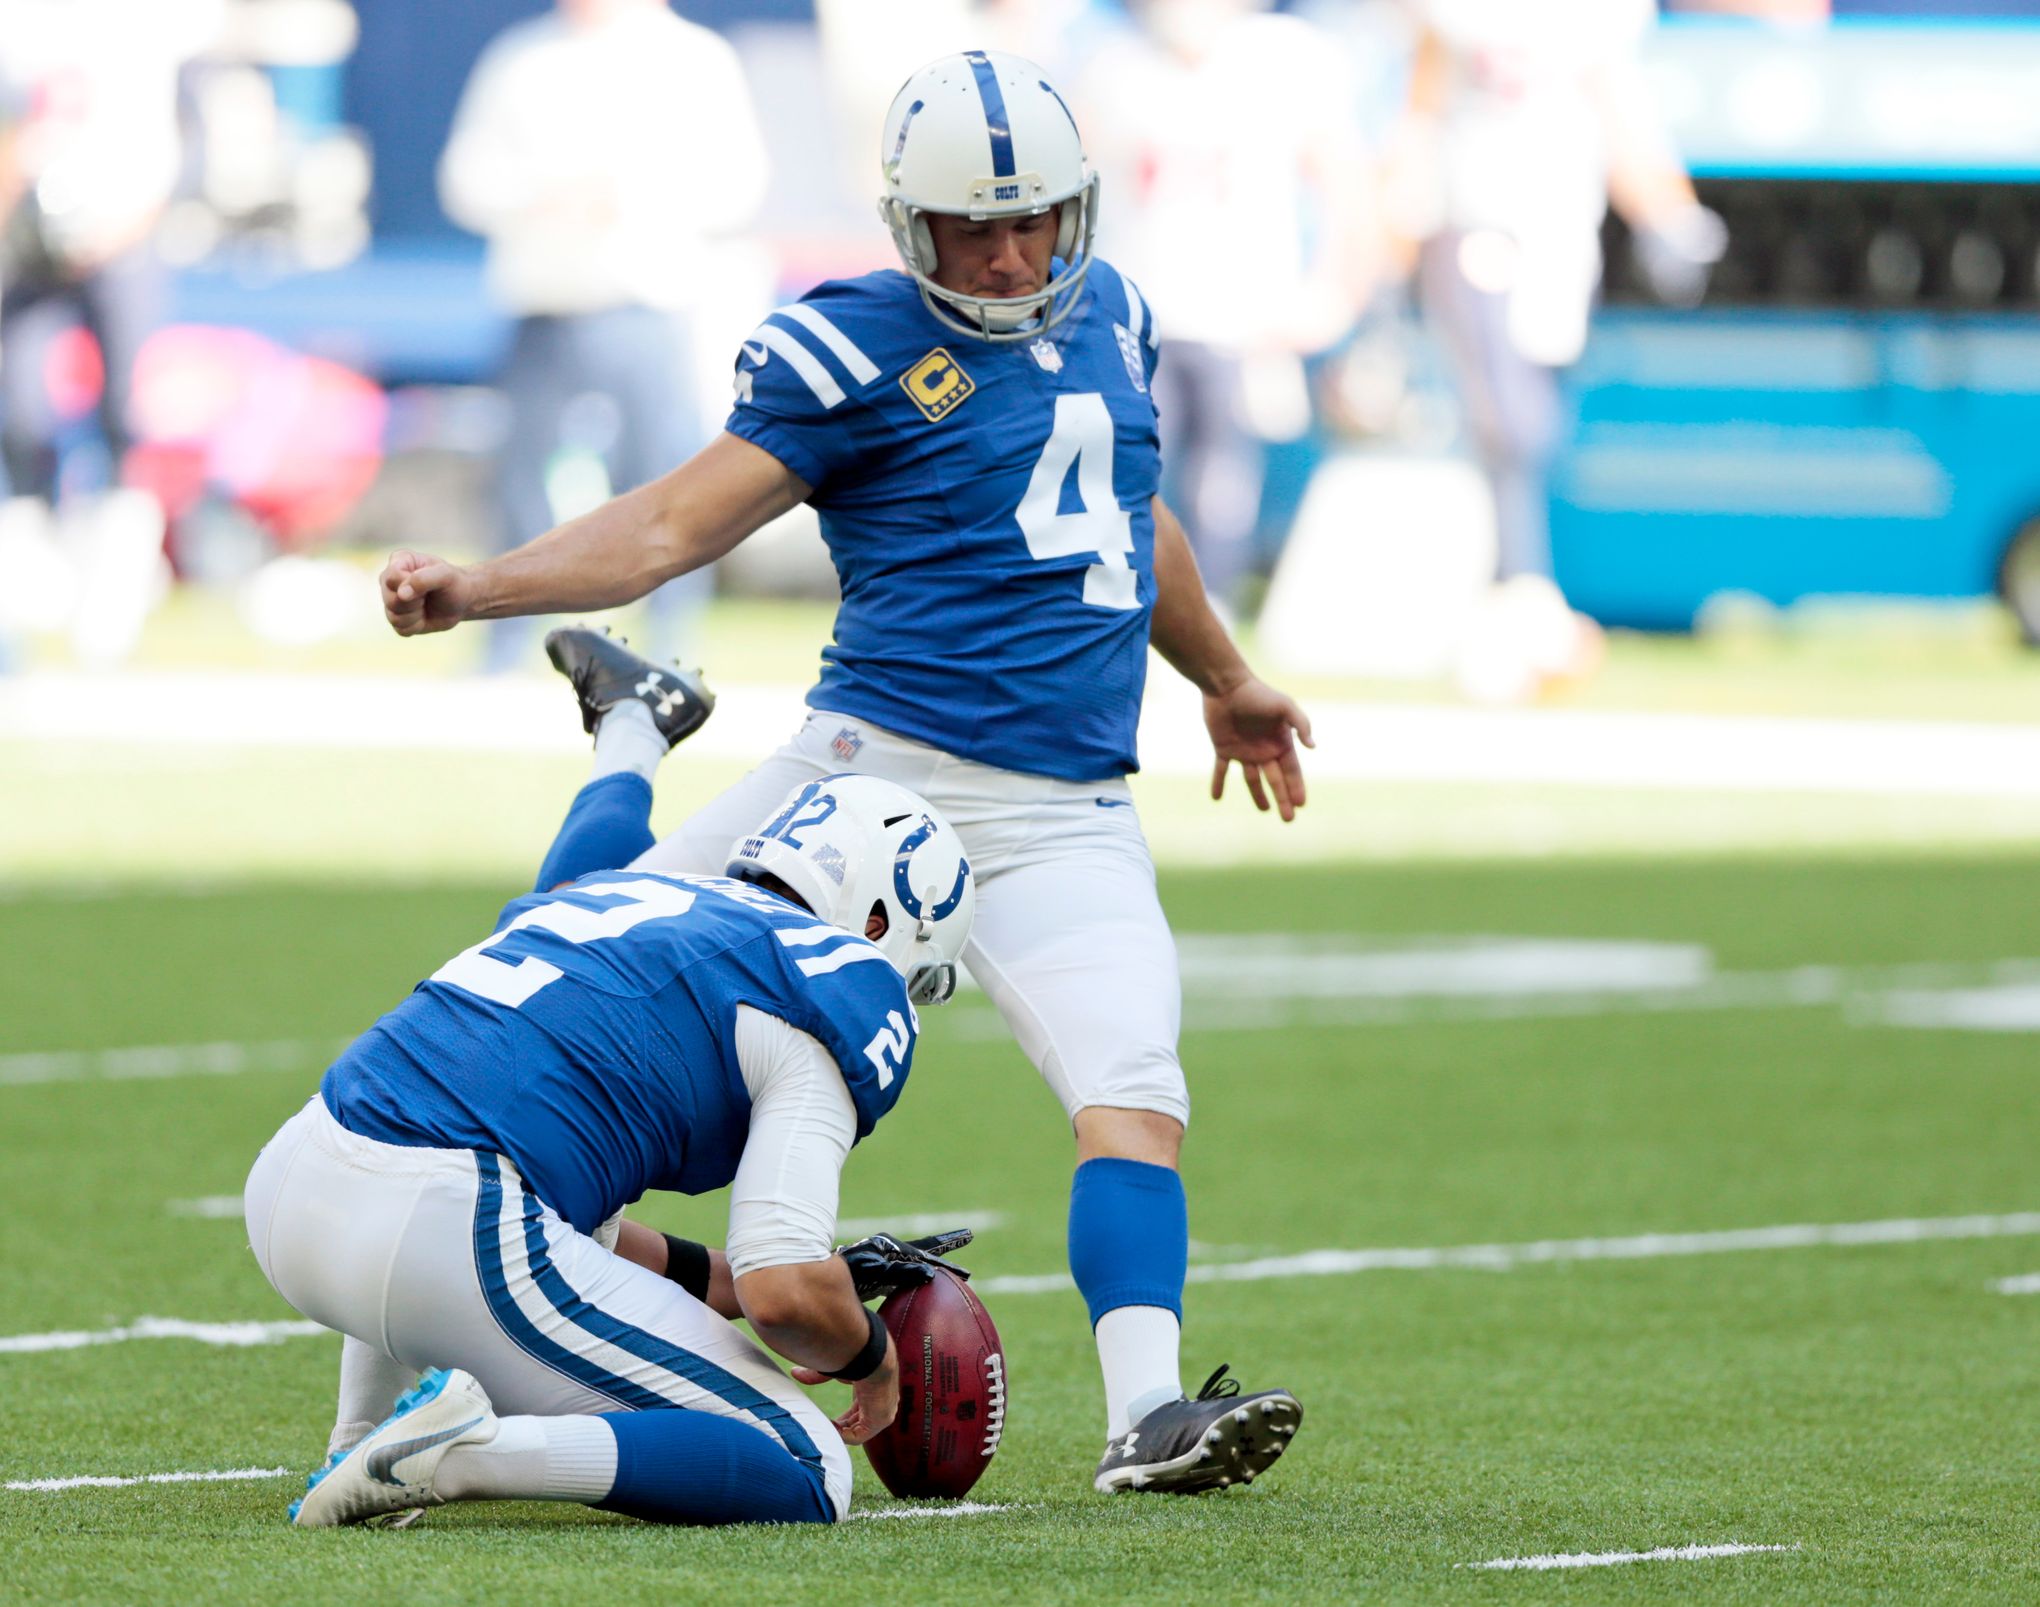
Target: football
{"x":952,"y":1391}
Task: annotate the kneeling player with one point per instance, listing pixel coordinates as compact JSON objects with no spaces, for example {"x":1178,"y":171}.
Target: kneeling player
{"x":438,"y":1201}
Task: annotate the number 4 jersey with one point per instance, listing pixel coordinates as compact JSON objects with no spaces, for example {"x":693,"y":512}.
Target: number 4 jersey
{"x":591,"y":1038}
{"x":988,"y":508}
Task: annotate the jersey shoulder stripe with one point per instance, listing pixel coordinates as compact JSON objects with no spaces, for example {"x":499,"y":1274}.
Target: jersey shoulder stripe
{"x":826,"y":342}
{"x":861,"y":368}
{"x":806,"y":937}
{"x":817,"y":378}
{"x":835,"y":959}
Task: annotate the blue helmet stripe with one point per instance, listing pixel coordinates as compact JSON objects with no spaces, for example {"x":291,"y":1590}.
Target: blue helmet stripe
{"x":996,"y":124}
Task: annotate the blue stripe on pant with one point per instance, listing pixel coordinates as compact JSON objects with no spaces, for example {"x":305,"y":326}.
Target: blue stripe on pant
{"x":649,"y":1347}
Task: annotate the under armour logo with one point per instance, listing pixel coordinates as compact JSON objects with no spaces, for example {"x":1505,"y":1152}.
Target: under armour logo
{"x":1132,"y":1440}
{"x":653,"y":685}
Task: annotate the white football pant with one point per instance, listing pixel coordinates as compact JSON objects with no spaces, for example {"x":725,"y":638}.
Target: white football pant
{"x":1070,"y":941}
{"x":440,"y":1258}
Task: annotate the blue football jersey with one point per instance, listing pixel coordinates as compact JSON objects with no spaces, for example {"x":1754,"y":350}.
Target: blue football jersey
{"x":988,"y":507}
{"x":591,"y":1038}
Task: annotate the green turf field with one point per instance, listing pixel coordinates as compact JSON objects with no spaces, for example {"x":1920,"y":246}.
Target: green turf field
{"x":1872,"y":1404}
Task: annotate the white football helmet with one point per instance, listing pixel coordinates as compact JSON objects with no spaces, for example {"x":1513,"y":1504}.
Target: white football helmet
{"x":849,"y":844}
{"x":983,"y":135}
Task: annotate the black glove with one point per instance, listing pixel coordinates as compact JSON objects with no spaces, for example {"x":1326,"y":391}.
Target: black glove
{"x":882,"y":1264}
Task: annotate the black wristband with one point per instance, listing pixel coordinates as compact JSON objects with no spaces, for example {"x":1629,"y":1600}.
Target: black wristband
{"x":687,"y":1264}
{"x":866,"y":1361}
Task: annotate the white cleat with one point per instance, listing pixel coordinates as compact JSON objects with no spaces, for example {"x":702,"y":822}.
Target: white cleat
{"x":392,"y":1468}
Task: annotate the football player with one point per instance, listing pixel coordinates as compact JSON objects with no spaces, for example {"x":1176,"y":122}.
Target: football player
{"x":978,"y":437}
{"x":449,"y":1198}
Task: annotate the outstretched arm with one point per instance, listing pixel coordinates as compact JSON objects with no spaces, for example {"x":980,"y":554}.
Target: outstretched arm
{"x":1251,"y":724}
{"x":603,"y":559}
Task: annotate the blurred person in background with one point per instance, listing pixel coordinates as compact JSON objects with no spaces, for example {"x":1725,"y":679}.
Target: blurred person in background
{"x":1229,"y":140}
{"x":1526,"y":119}
{"x":93,"y":155}
{"x":596,"y":149}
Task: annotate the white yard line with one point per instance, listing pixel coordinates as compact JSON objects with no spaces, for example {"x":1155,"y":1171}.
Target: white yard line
{"x":962,"y":1509}
{"x":1252,"y":981}
{"x":102,"y":1482}
{"x":1545,"y":1252}
{"x":1609,"y":1559}
{"x":211,"y":1207}
{"x":154,"y":1060}
{"x":2027,"y":1283}
{"x":1363,"y":741}
{"x":2010,"y":1007}
{"x":1309,"y":1264}
{"x":233,"y":1334}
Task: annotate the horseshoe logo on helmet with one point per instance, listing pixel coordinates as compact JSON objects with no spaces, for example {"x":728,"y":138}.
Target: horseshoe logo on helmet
{"x":903,"y":887}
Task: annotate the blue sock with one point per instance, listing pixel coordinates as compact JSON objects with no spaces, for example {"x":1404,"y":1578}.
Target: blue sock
{"x":1129,"y":1235}
{"x":694,"y":1467}
{"x":608,"y":825}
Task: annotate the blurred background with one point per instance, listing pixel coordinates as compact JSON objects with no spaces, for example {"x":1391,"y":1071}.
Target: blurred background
{"x":1618,"y":422}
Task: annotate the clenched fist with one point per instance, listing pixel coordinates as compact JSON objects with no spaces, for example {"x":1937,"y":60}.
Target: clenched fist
{"x":422,"y":594}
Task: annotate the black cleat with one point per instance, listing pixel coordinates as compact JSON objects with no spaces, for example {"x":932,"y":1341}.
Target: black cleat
{"x":1186,"y":1447}
{"x":605,"y":672}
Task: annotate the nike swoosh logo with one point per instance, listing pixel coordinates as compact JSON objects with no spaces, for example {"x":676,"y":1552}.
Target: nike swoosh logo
{"x":381,"y":1462}
{"x":757,"y":354}
{"x":1113,"y":803}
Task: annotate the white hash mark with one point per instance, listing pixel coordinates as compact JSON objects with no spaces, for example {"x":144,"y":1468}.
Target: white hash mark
{"x":1637,"y":1247}
{"x":105,"y":1482}
{"x":233,"y":1334}
{"x":1609,"y":1559}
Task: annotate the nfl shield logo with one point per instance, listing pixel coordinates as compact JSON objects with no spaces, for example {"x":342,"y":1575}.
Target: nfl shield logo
{"x":846,"y":743}
{"x":1129,"y":348}
{"x":1047,"y":356}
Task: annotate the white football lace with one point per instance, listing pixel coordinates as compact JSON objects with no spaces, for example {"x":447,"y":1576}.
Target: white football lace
{"x":995,"y":1418}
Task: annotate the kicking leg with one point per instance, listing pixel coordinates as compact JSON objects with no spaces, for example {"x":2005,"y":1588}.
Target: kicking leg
{"x":638,"y":712}
{"x":1096,"y":1005}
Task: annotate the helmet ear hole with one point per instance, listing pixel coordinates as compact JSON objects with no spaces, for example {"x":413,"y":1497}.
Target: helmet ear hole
{"x":877,"y":913}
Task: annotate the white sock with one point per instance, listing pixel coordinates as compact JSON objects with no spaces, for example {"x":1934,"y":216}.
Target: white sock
{"x":369,"y":1386}
{"x":533,"y":1459}
{"x":1138,"y":1350}
{"x":627,"y":739}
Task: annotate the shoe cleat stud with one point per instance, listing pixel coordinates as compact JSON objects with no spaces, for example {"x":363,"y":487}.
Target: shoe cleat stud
{"x":1242,"y":1416}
